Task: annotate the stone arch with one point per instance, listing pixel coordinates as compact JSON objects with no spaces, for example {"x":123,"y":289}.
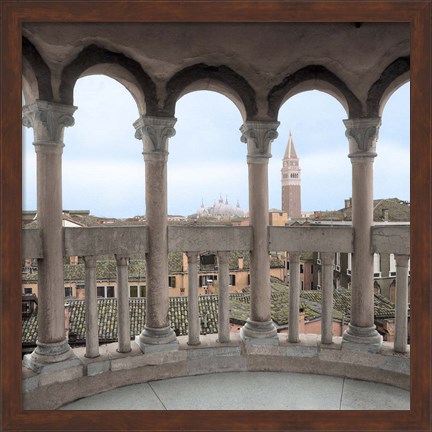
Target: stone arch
{"x":393,"y":76}
{"x":377,"y":288}
{"x":96,"y":60}
{"x":221,"y":79}
{"x":313,"y":77}
{"x":36,"y":74}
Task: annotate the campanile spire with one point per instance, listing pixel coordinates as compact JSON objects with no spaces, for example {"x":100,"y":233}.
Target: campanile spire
{"x":291,"y":181}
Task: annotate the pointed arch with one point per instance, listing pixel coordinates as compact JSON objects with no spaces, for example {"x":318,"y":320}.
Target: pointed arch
{"x":36,"y":74}
{"x":394,"y":75}
{"x":97,"y":60}
{"x":221,"y":79}
{"x":313,"y":77}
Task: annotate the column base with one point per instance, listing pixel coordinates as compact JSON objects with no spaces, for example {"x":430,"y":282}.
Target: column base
{"x":50,"y":357}
{"x":157,"y":339}
{"x":362,"y":339}
{"x":259,"y":333}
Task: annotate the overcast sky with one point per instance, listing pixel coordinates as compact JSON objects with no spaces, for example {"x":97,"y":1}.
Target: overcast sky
{"x":103,"y":168}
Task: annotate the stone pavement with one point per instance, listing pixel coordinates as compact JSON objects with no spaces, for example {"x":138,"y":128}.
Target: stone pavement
{"x":250,"y":390}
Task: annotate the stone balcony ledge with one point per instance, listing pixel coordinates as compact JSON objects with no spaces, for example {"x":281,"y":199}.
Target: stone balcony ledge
{"x":112,"y":369}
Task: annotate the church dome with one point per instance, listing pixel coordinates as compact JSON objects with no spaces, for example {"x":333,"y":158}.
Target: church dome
{"x":221,"y":209}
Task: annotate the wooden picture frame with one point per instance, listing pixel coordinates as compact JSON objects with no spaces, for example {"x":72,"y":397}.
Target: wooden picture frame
{"x":16,"y":12}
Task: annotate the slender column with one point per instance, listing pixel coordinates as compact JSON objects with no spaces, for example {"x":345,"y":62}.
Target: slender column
{"x":362,"y":135}
{"x":401,"y":330}
{"x":48,"y":121}
{"x":193,"y":313}
{"x":154,"y":133}
{"x":91,"y":313}
{"x":294,"y":297}
{"x":124,"y":340}
{"x":259,"y":327}
{"x":327,"y":261}
{"x":223,"y":314}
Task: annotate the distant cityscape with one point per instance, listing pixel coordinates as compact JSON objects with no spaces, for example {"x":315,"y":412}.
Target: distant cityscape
{"x":223,"y":213}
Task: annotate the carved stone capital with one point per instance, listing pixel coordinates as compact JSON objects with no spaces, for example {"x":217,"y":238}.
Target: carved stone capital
{"x":48,"y":120}
{"x":90,"y":261}
{"x":362,"y":134}
{"x":223,"y":257}
{"x":401,"y":260}
{"x":154,"y":133}
{"x":122,"y":260}
{"x":258,"y":136}
{"x":294,"y":257}
{"x":192,"y":257}
{"x":327,"y":258}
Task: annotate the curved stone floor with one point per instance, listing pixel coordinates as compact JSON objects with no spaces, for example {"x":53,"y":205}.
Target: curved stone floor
{"x":249,"y":390}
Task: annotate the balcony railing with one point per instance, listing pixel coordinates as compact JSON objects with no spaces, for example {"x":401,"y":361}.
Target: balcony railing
{"x":122,"y":242}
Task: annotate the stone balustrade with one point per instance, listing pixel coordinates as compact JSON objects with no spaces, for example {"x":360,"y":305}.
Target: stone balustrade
{"x":118,"y":364}
{"x":125,"y":241}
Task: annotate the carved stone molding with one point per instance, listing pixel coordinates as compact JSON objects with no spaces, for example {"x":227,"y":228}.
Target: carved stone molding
{"x":154,"y":133}
{"x":362,"y":135}
{"x":48,"y":120}
{"x":258,"y":136}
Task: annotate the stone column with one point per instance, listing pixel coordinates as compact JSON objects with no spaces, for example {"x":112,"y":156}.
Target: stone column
{"x":401,"y":327}
{"x":48,"y":121}
{"x":259,"y":328}
{"x":362,"y":135}
{"x":294,"y":297}
{"x":327,"y":261}
{"x":154,"y":133}
{"x":223,"y":313}
{"x":123,"y":318}
{"x":193,"y":313}
{"x":91,"y":312}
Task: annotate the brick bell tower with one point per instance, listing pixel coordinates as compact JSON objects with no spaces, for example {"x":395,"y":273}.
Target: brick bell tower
{"x":291,"y":181}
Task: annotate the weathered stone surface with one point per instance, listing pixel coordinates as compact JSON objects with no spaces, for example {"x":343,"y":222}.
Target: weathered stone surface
{"x":63,"y":375}
{"x":97,"y":368}
{"x":213,"y":352}
{"x":49,"y":391}
{"x":304,"y":239}
{"x":197,"y":366}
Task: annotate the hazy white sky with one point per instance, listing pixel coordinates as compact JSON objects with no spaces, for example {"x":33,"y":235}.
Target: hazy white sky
{"x":103,"y":168}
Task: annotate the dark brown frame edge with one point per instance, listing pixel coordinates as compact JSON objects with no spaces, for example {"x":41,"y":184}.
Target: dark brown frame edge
{"x":14,"y":12}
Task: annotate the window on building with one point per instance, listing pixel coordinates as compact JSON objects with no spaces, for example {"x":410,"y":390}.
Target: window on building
{"x":172,"y":281}
{"x":312,"y":286}
{"x":311,"y":268}
{"x":301,"y":268}
{"x":248,"y":279}
{"x":28,"y":290}
{"x":377,"y":265}
{"x":133,"y":291}
{"x":68,"y":292}
{"x":232,"y":280}
{"x":287,"y":265}
{"x":142,"y":291}
{"x":392,"y":265}
{"x":349,"y":263}
{"x":302,"y":285}
{"x":204,"y":280}
{"x":105,"y":291}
